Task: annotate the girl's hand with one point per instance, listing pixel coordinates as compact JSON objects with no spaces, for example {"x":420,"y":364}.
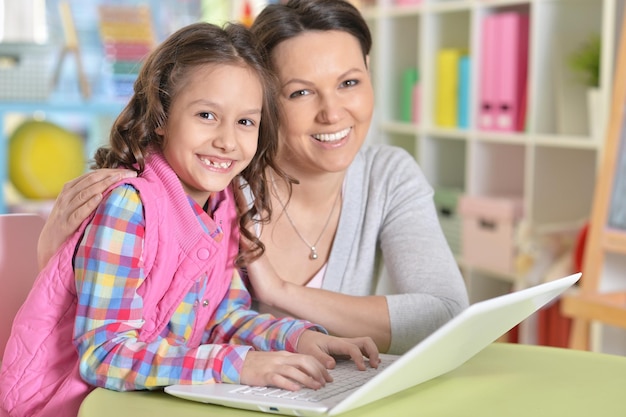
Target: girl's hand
{"x":322,"y":346}
{"x":285,"y":370}
{"x":77,"y":200}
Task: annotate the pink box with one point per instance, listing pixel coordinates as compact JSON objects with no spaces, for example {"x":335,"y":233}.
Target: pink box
{"x":407,"y":2}
{"x":488,"y":231}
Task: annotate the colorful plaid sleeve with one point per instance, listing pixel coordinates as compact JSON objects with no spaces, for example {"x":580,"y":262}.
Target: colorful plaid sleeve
{"x":110,"y":311}
{"x":234,"y":322}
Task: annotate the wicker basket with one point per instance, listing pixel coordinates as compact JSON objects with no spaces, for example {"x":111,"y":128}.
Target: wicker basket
{"x":25,"y":71}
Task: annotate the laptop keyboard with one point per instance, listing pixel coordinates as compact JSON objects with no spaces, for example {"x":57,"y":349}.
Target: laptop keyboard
{"x":346,"y":376}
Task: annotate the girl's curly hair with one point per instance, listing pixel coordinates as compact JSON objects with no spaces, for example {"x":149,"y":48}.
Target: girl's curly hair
{"x":133,"y":134}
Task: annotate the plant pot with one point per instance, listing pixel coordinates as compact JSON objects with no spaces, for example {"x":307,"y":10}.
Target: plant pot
{"x":595,"y":112}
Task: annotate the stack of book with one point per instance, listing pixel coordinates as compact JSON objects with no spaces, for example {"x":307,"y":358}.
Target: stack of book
{"x":452,"y":106}
{"x":410,"y":96}
{"x":504,"y":69}
{"x":502,"y":76}
{"x":127,"y":38}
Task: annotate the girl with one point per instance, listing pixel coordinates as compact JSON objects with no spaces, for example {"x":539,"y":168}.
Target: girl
{"x":147,"y":289}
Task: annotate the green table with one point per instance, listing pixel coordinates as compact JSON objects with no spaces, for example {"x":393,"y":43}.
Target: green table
{"x":503,"y":380}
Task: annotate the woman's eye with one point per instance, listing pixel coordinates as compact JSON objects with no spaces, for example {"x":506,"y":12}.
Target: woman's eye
{"x":299,"y":93}
{"x":350,"y":83}
{"x":207,"y":115}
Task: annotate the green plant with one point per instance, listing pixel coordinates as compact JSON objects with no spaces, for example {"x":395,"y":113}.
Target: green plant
{"x":586,"y":61}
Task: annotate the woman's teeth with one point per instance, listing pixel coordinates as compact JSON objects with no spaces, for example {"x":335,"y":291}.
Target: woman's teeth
{"x":332,"y":137}
{"x":222,"y":165}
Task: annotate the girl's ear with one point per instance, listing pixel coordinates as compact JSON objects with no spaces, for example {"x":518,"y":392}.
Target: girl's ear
{"x":367,"y":61}
{"x":160,"y":131}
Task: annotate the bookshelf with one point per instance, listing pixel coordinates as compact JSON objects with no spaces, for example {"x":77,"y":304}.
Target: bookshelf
{"x":602,"y":294}
{"x":91,"y":88}
{"x":552,"y":164}
{"x":87,"y":79}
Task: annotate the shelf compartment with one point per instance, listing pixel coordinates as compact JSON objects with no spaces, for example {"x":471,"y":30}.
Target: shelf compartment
{"x":406,"y":141}
{"x":558,"y":99}
{"x":443,"y":161}
{"x":563,"y":185}
{"x":446,"y":31}
{"x":483,"y":284}
{"x":565,"y":141}
{"x":400,"y":55}
{"x":496,"y":169}
{"x":92,"y":120}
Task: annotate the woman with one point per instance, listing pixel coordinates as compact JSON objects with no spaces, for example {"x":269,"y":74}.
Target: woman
{"x":354,"y":209}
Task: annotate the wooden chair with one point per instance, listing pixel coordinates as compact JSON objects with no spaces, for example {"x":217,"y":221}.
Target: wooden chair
{"x":602,"y":294}
{"x":18,"y":265}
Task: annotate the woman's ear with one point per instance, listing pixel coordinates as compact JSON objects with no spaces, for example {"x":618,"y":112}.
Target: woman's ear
{"x":367,"y":62}
{"x":159,"y":131}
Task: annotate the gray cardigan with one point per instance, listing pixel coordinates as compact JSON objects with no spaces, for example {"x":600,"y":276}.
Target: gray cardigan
{"x":388,"y":231}
{"x":388,"y":217}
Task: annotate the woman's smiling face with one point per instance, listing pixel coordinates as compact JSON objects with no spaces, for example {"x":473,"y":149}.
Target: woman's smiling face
{"x":327,"y":100}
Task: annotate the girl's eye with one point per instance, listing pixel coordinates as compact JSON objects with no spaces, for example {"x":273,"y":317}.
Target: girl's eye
{"x":207,"y":115}
{"x":247,"y":122}
{"x":350,"y":83}
{"x":299,"y":93}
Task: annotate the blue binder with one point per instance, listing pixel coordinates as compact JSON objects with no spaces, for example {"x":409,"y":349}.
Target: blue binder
{"x":463,"y":102}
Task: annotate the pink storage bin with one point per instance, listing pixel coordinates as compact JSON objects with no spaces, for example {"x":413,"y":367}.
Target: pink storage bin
{"x":407,"y":2}
{"x":488,"y":231}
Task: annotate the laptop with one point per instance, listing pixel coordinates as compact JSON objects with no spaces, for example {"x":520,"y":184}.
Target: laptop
{"x":444,"y":350}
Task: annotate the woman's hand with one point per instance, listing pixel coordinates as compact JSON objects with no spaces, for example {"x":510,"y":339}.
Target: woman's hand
{"x":321,"y":346}
{"x":285,"y":370}
{"x":77,"y":200}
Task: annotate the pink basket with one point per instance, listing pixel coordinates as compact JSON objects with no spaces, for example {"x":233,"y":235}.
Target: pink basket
{"x":488,"y":231}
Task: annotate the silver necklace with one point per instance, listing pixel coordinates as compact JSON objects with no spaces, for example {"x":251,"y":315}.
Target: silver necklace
{"x":313,"y":255}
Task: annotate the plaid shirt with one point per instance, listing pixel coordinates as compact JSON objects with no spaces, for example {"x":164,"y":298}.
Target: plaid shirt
{"x":108,"y":271}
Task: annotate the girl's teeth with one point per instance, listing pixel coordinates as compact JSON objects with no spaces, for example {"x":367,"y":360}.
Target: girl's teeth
{"x":331,"y":137}
{"x":222,"y":165}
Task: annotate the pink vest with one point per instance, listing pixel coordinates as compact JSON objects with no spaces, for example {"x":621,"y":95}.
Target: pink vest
{"x":39,"y":374}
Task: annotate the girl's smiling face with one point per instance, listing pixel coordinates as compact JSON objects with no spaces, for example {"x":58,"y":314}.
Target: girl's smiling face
{"x":327,"y":100}
{"x":212,"y":129}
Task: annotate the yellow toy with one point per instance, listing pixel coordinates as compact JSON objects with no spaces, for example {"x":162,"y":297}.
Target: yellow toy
{"x":42,"y":157}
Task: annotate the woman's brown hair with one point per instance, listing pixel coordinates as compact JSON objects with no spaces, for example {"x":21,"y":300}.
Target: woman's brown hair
{"x":280,"y":22}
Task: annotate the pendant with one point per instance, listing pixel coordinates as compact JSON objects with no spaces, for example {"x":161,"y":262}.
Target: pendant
{"x":313,"y":255}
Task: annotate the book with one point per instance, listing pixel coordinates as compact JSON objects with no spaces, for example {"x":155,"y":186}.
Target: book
{"x":463,"y":100}
{"x":409,"y":80}
{"x":512,"y":47}
{"x":447,"y":82}
{"x":488,"y":73}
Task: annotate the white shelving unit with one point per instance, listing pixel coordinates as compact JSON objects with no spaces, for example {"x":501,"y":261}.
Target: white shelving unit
{"x":552,"y":165}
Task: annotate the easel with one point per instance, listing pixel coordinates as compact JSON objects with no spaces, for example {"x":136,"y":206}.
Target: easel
{"x":607,"y":228}
{"x":71,"y":47}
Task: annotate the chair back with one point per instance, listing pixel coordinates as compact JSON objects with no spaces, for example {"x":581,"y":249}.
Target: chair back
{"x":18,"y":266}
